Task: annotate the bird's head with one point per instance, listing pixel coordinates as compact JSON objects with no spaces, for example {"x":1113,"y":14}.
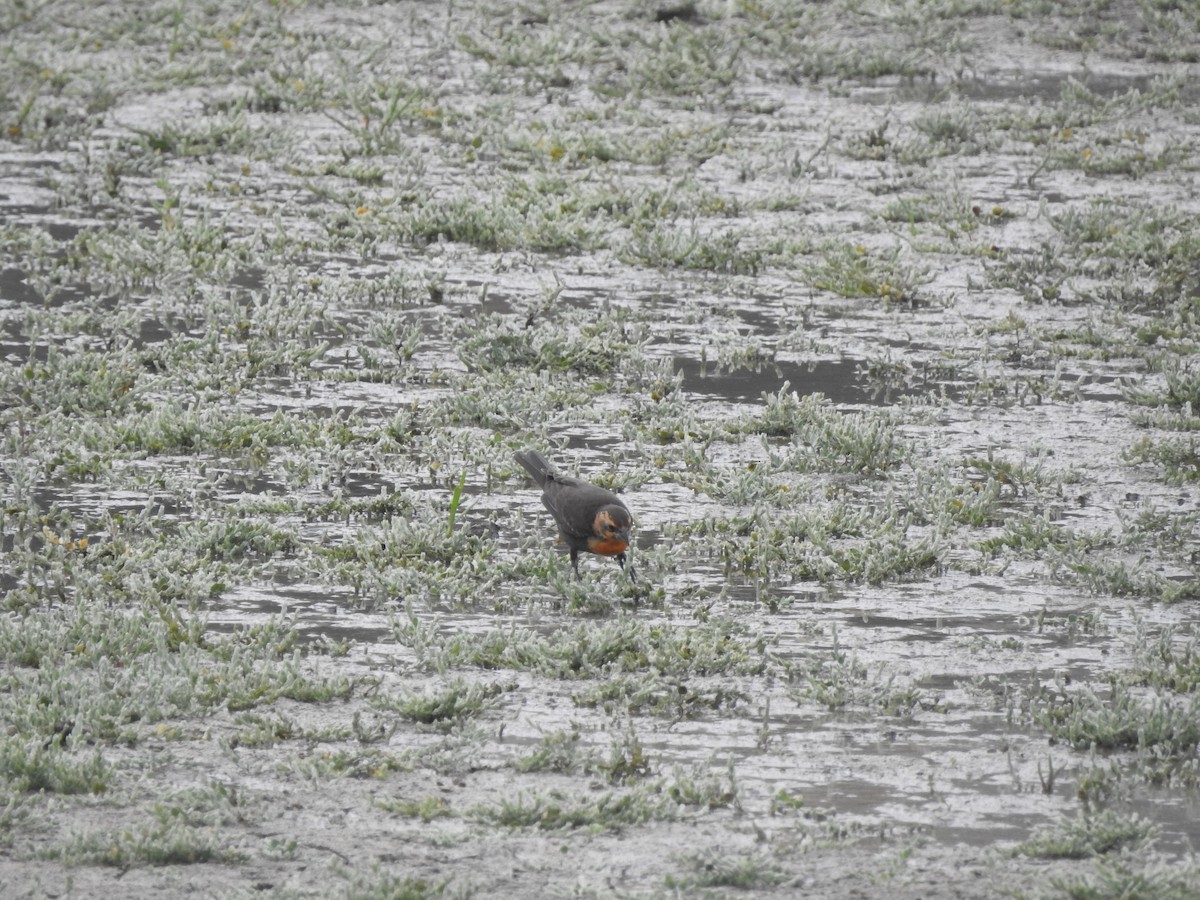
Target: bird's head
{"x":612,"y":526}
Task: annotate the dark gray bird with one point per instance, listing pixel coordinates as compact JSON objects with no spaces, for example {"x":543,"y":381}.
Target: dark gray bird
{"x":589,"y":517}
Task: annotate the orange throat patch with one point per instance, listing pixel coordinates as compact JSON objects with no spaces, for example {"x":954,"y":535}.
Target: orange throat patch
{"x":607,"y":546}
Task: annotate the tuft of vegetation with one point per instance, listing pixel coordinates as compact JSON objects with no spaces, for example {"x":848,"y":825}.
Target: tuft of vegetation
{"x":1089,"y":835}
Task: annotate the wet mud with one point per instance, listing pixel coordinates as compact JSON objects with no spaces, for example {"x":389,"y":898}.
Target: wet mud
{"x":883,"y":325}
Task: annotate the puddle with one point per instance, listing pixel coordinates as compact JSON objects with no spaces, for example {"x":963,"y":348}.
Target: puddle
{"x":839,"y":380}
{"x":1009,"y":86}
{"x":15,"y":289}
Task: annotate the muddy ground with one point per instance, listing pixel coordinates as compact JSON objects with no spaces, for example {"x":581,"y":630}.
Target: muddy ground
{"x":882,"y":317}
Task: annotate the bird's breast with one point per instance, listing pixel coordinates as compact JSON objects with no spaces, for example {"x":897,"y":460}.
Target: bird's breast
{"x":607,"y":546}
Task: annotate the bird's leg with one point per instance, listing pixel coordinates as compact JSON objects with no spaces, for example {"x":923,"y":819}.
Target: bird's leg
{"x":575,"y":563}
{"x":621,"y":560}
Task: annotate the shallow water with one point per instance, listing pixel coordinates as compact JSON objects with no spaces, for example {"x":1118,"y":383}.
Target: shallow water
{"x":278,"y":282}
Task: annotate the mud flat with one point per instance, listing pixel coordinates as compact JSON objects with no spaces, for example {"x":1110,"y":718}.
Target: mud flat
{"x":882,"y":317}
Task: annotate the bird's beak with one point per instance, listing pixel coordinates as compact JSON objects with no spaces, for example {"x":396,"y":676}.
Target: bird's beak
{"x":623,"y":534}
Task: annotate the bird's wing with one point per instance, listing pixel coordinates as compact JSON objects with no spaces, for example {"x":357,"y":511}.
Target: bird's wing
{"x":573,"y":503}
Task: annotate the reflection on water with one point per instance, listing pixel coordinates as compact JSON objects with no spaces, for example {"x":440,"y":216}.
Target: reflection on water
{"x":836,"y":379}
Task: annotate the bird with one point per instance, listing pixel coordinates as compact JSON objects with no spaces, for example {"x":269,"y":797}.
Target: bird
{"x":589,"y":517}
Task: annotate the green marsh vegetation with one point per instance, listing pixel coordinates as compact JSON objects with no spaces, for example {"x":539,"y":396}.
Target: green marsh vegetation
{"x":284,"y":284}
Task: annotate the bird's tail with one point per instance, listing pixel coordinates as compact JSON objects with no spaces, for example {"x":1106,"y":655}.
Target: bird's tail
{"x":535,"y":464}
